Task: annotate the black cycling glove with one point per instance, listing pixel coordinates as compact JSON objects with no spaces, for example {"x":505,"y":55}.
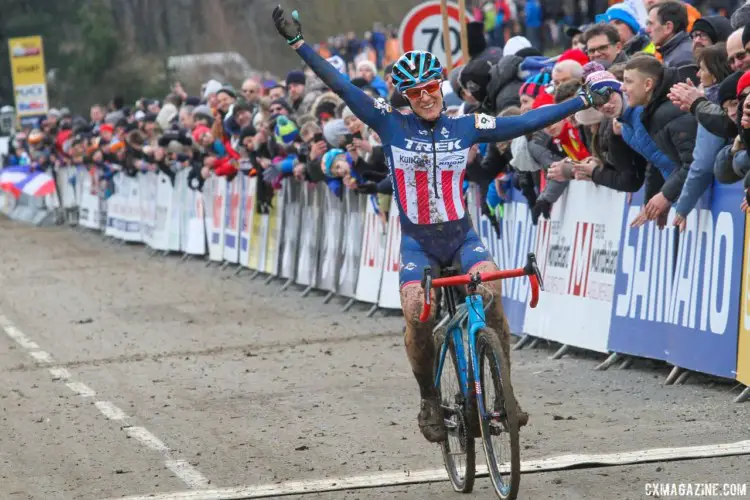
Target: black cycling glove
{"x":292,"y":32}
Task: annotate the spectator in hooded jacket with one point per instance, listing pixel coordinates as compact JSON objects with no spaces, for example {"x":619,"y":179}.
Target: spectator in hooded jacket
{"x":708,"y":31}
{"x":667,"y":26}
{"x":295,"y":87}
{"x":367,"y":70}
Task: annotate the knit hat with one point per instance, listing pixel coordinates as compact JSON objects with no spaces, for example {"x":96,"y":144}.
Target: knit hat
{"x":622,"y":12}
{"x":107,"y":128}
{"x":592,"y":67}
{"x":543,"y":99}
{"x":535,"y":84}
{"x":248,"y":131}
{"x":228,"y":90}
{"x":295,"y":76}
{"x":717,"y":28}
{"x":334,"y":132}
{"x":367,"y":64}
{"x":199,"y":132}
{"x":743,"y":83}
{"x":212,"y":87}
{"x":329,"y":159}
{"x":282,"y":102}
{"x":602,"y":79}
{"x":576,"y":55}
{"x":515,"y":44}
{"x":286,"y":131}
{"x":728,"y":87}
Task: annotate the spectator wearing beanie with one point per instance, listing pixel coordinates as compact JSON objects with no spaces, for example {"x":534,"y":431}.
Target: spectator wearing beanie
{"x":623,"y":18}
{"x":532,"y":87}
{"x":295,"y":87}
{"x":708,"y":31}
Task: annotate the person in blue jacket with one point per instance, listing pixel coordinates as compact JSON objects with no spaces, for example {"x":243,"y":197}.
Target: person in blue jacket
{"x":427,"y":153}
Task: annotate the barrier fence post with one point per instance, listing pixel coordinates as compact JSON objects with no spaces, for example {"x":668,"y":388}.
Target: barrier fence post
{"x":673,"y":375}
{"x":525,"y":339}
{"x":744,"y":396}
{"x":611,"y":360}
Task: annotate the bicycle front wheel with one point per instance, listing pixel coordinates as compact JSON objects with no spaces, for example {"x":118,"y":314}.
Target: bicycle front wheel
{"x":499,"y":422}
{"x":459,"y":455}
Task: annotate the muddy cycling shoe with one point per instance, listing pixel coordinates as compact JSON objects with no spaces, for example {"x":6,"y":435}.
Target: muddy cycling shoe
{"x":431,"y":421}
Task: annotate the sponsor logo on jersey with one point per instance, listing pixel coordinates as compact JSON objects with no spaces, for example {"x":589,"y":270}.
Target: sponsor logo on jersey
{"x":440,"y":146}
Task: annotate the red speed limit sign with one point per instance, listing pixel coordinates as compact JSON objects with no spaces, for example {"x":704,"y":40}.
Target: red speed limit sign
{"x":422,"y":29}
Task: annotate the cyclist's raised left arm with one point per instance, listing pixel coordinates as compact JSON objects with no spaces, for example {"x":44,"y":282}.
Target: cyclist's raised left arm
{"x":490,"y":129}
{"x":375,"y":114}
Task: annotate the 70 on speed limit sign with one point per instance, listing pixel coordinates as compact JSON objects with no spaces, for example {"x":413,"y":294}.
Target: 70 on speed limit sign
{"x":422,"y":29}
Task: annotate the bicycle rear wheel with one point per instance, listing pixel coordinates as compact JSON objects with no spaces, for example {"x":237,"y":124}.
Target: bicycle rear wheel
{"x":499,"y":423}
{"x":459,"y":454}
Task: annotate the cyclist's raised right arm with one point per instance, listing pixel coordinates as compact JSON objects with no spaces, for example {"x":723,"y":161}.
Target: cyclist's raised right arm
{"x":374,"y":114}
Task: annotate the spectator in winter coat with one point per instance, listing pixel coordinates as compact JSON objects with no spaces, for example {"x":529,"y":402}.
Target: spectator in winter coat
{"x":633,"y":38}
{"x":603,"y":45}
{"x":707,"y":145}
{"x":667,"y":26}
{"x":708,"y":31}
{"x":647,"y":83}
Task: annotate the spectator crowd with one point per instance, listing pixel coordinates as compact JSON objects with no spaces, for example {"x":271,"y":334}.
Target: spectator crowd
{"x":678,"y":120}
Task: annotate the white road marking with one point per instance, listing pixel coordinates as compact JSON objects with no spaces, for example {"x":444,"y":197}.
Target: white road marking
{"x":146,"y":438}
{"x":110,"y":411}
{"x":188,"y":474}
{"x":180,"y":468}
{"x":81,"y":389}
{"x":59,"y":373}
{"x":41,"y":356}
{"x":438,"y":475}
{"x":19,"y":337}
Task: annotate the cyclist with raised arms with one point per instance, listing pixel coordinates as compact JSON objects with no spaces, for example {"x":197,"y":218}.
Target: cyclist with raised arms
{"x":427,"y":153}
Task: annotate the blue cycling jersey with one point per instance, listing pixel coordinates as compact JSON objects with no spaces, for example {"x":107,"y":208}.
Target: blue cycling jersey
{"x":427,"y":160}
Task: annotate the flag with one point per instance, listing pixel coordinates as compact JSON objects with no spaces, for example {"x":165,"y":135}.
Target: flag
{"x":22,"y":179}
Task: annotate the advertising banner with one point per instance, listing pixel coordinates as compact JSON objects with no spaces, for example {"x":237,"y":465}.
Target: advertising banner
{"x":577,"y":256}
{"x":307,"y":256}
{"x":249,"y":189}
{"x":705,"y":305}
{"x":273,"y":237}
{"x":217,"y":187}
{"x":373,"y":254}
{"x":390,"y":297}
{"x":354,"y":216}
{"x":330,"y":242}
{"x":193,"y":230}
{"x":232,"y":220}
{"x":29,"y":78}
{"x":509,"y":248}
{"x":291,"y":193}
{"x":743,"y":349}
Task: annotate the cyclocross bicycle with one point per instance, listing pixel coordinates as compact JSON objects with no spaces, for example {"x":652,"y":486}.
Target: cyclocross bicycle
{"x":475,"y":392}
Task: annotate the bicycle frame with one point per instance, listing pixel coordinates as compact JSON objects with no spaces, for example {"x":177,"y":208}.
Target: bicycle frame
{"x":473,"y":313}
{"x":475,"y":318}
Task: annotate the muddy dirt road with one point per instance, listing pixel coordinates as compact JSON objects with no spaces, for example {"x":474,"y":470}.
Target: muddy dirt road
{"x":125,"y":375}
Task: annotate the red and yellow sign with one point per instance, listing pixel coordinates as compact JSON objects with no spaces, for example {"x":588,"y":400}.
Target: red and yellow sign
{"x":743,"y":349}
{"x":29,"y":75}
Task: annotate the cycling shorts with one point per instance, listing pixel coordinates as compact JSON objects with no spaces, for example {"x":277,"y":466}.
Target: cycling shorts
{"x":463,"y":252}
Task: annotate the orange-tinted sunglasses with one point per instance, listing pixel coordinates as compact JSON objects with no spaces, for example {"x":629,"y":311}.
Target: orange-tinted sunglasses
{"x":429,"y":87}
